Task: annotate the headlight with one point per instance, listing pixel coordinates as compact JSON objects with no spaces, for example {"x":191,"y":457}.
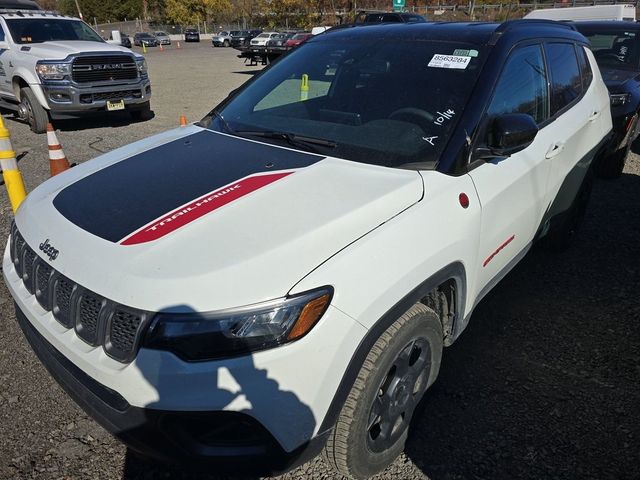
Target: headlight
{"x":142,"y":65}
{"x":618,"y":99}
{"x":53,"y":71}
{"x":202,"y":336}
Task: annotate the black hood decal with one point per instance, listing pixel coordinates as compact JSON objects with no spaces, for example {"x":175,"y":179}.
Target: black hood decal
{"x":116,"y":201}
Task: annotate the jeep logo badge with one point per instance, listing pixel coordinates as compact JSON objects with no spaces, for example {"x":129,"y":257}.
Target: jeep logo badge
{"x":49,"y":250}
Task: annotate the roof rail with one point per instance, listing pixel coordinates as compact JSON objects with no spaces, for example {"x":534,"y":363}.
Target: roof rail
{"x":21,"y":12}
{"x":504,"y":26}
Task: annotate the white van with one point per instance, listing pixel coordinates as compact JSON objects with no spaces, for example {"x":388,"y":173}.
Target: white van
{"x":596,"y":12}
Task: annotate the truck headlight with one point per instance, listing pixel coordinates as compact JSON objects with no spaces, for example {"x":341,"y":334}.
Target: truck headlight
{"x":202,"y":336}
{"x":618,"y":99}
{"x":53,"y":71}
{"x":142,"y":66}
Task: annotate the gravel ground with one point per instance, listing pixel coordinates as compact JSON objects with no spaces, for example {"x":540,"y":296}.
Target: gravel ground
{"x":542,"y":385}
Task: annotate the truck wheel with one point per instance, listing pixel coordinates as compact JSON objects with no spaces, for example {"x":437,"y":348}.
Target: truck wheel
{"x":612,"y":165}
{"x":373,"y":425}
{"x":142,"y":112}
{"x":226,"y":43}
{"x":32,"y":112}
{"x":561,"y":237}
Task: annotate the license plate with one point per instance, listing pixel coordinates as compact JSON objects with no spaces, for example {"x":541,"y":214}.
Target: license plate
{"x":118,"y":105}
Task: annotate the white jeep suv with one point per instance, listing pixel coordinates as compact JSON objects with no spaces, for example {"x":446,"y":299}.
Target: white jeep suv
{"x":281,"y":279}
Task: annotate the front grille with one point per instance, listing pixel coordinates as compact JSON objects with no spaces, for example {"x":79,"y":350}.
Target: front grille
{"x":103,"y":68}
{"x":88,"y":316}
{"x":96,"y":320}
{"x":122,"y":94}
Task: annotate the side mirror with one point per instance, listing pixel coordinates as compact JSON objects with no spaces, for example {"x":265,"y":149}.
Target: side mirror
{"x":510,"y":133}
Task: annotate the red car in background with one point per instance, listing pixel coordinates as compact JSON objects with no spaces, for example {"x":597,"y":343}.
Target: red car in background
{"x":297,"y":39}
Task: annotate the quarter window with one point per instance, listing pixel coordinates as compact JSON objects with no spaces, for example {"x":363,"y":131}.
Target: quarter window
{"x":585,"y":67}
{"x":566,"y":83}
{"x":522,"y":87}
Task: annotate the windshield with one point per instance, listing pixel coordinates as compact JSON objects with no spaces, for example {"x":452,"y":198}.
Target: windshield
{"x":615,"y":49}
{"x":38,"y":30}
{"x":385,"y":102}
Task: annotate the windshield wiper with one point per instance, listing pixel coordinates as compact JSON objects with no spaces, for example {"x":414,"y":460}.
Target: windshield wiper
{"x":291,"y":138}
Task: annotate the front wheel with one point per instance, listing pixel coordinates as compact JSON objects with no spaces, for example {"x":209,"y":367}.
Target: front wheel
{"x":226,"y":43}
{"x":32,"y":112}
{"x":373,"y":425}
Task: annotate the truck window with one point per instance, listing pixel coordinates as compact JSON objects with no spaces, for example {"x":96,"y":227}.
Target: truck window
{"x":38,"y":30}
{"x":566,"y":83}
{"x":522,"y":87}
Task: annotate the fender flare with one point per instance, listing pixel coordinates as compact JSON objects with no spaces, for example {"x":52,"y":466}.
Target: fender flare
{"x":454,"y":271}
{"x":31,"y":80}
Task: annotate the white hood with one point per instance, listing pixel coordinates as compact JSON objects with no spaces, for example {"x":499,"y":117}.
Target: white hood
{"x":199,"y":220}
{"x":62,"y":49}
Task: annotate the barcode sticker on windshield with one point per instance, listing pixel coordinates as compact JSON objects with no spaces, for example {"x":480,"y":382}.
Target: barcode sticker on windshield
{"x":449,"y":61}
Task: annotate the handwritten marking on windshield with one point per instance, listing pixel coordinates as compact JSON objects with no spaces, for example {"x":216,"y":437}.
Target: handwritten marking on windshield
{"x":429,"y":139}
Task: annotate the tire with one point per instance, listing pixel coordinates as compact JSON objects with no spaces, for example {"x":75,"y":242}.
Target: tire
{"x":563,"y":235}
{"x":366,"y":438}
{"x":32,"y":112}
{"x":141,"y":113}
{"x":225,"y":43}
{"x":612,"y":165}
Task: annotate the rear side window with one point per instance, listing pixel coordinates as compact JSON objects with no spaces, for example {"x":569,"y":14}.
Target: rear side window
{"x":585,"y":67}
{"x":566,"y":82}
{"x":522,"y":87}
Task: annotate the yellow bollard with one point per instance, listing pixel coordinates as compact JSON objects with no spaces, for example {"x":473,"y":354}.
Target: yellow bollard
{"x":304,"y":87}
{"x":144,"y":47}
{"x":10,"y":173}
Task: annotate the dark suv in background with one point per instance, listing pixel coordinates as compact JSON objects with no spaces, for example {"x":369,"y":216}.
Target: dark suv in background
{"x":243,"y":38}
{"x":191,"y":35}
{"x":616,"y":47}
{"x":389,"y":17}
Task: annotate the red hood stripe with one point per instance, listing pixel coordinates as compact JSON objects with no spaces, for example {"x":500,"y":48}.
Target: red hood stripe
{"x":207,"y":203}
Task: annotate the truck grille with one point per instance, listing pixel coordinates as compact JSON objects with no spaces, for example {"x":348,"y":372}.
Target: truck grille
{"x":103,"y":68}
{"x":95,"y":319}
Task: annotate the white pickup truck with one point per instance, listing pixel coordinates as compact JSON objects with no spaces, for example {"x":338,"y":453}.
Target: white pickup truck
{"x":281,"y":278}
{"x":55,"y":67}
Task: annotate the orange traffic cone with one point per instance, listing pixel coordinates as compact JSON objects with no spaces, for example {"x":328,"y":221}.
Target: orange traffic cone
{"x":57,"y":160}
{"x":183,"y":121}
{"x":161,"y":48}
{"x":179,"y":47}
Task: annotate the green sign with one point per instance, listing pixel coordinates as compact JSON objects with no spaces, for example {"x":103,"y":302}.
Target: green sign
{"x":398,"y":4}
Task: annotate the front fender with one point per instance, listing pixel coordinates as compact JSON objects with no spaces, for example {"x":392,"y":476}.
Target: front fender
{"x":28,"y":76}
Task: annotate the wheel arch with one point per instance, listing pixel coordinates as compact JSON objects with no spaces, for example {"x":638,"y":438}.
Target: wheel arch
{"x":445,"y":292}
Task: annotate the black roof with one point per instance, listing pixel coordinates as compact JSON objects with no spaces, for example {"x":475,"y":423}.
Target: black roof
{"x":478,"y":33}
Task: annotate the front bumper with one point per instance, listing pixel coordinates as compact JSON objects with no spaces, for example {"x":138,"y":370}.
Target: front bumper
{"x":225,"y":438}
{"x":73,"y":99}
{"x":279,"y":398}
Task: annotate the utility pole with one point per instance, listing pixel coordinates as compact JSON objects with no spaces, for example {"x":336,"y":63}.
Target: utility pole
{"x":79,"y":12}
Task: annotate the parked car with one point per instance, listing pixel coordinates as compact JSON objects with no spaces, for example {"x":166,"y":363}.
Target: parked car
{"x":145,"y":39}
{"x":391,"y":17}
{"x":243,"y":39}
{"x":163,"y":38}
{"x":191,"y":35}
{"x":298,"y":39}
{"x":616,"y":46}
{"x":262,"y":39}
{"x":378,"y":190}
{"x":226,"y":39}
{"x":63,"y":69}
{"x":125,"y":40}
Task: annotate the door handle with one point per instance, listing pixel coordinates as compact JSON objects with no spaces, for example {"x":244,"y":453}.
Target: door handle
{"x":555,"y":149}
{"x":593,"y":116}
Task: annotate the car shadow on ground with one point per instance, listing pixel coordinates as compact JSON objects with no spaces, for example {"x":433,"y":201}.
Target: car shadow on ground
{"x":89,"y":121}
{"x":543,"y":384}
{"x":249,"y":72}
